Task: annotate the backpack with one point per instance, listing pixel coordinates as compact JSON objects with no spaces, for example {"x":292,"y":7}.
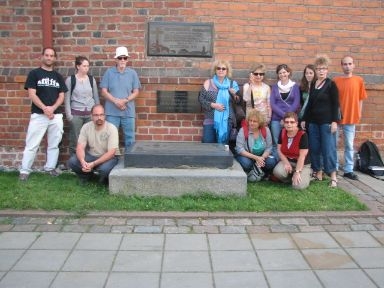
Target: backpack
{"x":244,"y":125}
{"x":73,"y":82}
{"x":369,"y":160}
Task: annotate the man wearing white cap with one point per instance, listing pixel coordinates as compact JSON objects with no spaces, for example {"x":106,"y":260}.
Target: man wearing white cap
{"x":120,"y":86}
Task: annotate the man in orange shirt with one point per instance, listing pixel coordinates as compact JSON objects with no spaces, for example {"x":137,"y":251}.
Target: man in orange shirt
{"x":351,"y":95}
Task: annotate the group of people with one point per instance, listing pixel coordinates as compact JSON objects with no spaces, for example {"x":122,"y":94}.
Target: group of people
{"x":93,"y":134}
{"x":290,"y":130}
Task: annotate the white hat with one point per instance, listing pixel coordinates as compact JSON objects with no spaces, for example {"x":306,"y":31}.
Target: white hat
{"x":121,"y":51}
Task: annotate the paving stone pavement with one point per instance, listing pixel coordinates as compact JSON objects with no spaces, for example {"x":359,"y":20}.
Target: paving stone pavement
{"x":216,"y":250}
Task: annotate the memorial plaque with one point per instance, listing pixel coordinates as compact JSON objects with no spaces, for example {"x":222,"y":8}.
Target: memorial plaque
{"x":178,"y":102}
{"x":180,"y":39}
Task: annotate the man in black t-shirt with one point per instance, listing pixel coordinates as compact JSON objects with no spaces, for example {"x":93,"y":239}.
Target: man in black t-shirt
{"x":46,"y":89}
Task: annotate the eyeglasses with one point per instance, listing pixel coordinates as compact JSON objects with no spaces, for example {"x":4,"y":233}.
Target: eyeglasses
{"x":221,"y":68}
{"x":289,"y":122}
{"x":258,"y":74}
{"x":98,"y":115}
{"x":322,"y":68}
{"x":122,"y":58}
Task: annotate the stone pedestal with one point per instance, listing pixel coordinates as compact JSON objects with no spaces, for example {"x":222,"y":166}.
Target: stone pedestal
{"x":175,"y":169}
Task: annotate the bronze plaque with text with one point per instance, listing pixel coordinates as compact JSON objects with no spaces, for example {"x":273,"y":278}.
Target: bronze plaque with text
{"x":180,"y":39}
{"x":178,"y":102}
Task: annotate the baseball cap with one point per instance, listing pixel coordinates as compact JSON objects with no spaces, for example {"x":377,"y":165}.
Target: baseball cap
{"x":121,"y":51}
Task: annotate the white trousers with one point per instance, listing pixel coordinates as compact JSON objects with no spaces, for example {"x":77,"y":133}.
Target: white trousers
{"x":39,"y":124}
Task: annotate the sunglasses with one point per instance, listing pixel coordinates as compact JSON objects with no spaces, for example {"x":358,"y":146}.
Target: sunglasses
{"x":258,"y":74}
{"x":122,"y":58}
{"x":221,"y":68}
{"x":289,"y":122}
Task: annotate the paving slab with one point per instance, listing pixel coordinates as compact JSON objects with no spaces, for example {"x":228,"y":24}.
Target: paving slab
{"x":297,"y":279}
{"x":344,"y":278}
{"x":80,"y":279}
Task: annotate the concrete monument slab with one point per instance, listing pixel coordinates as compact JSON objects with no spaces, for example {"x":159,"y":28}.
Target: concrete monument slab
{"x":177,"y":155}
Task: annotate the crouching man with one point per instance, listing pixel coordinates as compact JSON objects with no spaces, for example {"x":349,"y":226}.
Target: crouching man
{"x":96,"y":149}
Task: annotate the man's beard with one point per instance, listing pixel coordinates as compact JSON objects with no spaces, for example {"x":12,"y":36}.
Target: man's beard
{"x":99,"y":122}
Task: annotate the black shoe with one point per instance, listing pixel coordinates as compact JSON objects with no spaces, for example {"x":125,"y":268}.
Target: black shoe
{"x":350,"y":175}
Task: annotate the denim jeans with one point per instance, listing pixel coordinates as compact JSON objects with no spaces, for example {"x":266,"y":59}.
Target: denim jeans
{"x":74,"y":130}
{"x":103,"y":169}
{"x":247,"y":163}
{"x":39,"y":124}
{"x":322,"y":144}
{"x":128,"y":125}
{"x":349,"y":136}
{"x":209,"y":134}
{"x":275,"y":131}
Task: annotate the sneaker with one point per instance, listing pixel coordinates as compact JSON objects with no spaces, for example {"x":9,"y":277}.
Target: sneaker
{"x":53,"y":173}
{"x":23,"y":176}
{"x":350,"y":175}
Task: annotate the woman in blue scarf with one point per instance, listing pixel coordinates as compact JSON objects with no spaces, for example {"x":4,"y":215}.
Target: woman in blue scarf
{"x":216,"y":97}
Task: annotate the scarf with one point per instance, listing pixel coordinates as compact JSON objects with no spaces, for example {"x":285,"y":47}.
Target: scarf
{"x":220,"y":118}
{"x":287,"y":87}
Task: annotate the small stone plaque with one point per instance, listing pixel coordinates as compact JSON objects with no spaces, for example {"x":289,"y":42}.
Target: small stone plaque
{"x":178,"y":102}
{"x":177,"y":155}
{"x":180,"y":39}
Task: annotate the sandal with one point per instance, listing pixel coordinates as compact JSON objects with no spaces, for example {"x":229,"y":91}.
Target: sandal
{"x":333,"y":184}
{"x":317,"y":176}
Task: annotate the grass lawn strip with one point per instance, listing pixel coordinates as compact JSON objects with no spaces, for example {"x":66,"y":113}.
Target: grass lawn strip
{"x":48,"y":193}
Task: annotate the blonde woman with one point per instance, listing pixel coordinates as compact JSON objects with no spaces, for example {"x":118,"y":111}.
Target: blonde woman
{"x":216,"y":98}
{"x":256,"y":93}
{"x":254,"y":144}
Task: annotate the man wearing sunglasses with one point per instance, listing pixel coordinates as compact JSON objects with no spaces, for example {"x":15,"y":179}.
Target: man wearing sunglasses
{"x":120,"y":86}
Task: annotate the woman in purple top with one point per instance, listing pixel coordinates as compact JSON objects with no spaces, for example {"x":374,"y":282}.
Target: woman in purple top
{"x":285,"y":97}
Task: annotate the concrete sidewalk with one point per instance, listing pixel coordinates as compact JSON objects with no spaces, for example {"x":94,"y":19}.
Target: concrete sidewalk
{"x":215,"y":250}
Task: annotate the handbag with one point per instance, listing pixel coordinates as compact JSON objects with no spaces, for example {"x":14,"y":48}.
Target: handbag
{"x":237,"y":106}
{"x":239,"y":112}
{"x":233,"y":134}
{"x":256,"y":174}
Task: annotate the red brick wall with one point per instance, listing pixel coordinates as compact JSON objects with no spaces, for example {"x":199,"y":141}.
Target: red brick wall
{"x":272,"y":32}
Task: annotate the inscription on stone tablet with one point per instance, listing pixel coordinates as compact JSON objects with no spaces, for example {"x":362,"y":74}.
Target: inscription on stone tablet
{"x":178,"y":102}
{"x":180,"y":39}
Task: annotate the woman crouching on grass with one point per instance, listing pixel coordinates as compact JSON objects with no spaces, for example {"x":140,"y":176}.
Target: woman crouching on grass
{"x":293,"y":150}
{"x":254,"y":146}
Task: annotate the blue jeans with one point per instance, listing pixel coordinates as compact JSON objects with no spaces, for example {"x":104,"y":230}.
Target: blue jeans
{"x":275,"y":133}
{"x":247,"y":163}
{"x":322,"y":143}
{"x":349,"y":136}
{"x":103,"y":169}
{"x":209,"y":134}
{"x":128,"y":125}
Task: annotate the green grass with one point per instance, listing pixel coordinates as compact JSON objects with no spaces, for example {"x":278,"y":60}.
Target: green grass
{"x":64,"y":193}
